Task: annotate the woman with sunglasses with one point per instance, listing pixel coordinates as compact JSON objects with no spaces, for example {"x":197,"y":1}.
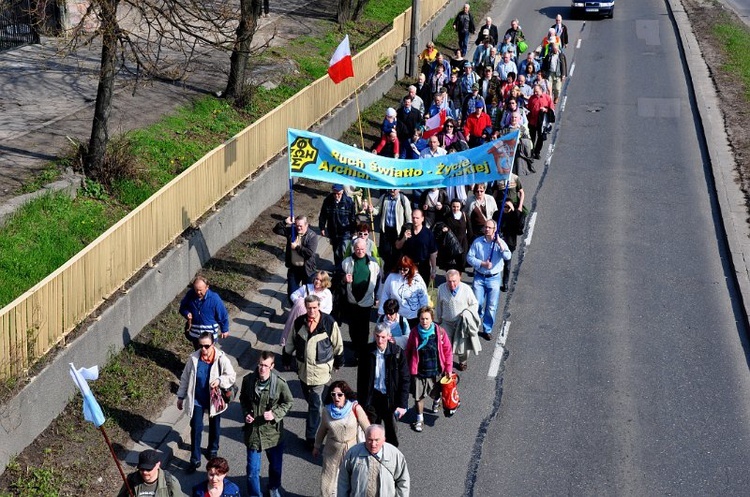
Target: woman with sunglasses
{"x":206,"y":371}
{"x":450,"y":134}
{"x":342,"y":420}
{"x":320,"y":286}
{"x":407,"y":287}
{"x":217,"y":485}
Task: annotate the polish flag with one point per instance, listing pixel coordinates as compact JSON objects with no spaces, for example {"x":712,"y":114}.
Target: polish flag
{"x":340,"y":66}
{"x":434,"y":125}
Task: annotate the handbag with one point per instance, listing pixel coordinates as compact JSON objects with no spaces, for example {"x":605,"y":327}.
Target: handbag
{"x":522,"y":46}
{"x":217,"y":401}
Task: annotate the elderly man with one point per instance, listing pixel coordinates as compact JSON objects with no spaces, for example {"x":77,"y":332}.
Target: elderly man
{"x":488,"y":30}
{"x":463,"y":24}
{"x":394,"y":211}
{"x":555,"y":65}
{"x":487,"y":255}
{"x":337,"y":221}
{"x":373,"y":467}
{"x":361,"y":280}
{"x":434,"y":149}
{"x":317,"y":346}
{"x":150,"y":479}
{"x":420,"y":245}
{"x":561,"y":30}
{"x":265,"y":400}
{"x":539,"y":105}
{"x":301,"y":255}
{"x":506,"y":66}
{"x":203,"y":311}
{"x":457,"y":311}
{"x":383,"y":381}
{"x":416,"y":101}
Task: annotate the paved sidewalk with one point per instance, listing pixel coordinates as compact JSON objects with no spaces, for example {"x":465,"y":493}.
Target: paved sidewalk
{"x":46,"y":98}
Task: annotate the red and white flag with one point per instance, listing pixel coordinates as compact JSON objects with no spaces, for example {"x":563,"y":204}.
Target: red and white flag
{"x":341,"y":66}
{"x":434,"y":125}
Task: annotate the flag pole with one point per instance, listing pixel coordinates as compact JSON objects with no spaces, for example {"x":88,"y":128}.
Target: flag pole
{"x":362,"y":141}
{"x":117,"y":461}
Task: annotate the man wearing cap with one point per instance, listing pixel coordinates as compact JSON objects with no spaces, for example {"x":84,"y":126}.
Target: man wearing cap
{"x":476,"y":124}
{"x":470,"y":101}
{"x":468,"y":79}
{"x":337,"y":220}
{"x":150,"y":480}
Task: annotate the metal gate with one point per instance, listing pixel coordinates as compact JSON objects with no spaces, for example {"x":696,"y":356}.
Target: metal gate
{"x":16,"y":24}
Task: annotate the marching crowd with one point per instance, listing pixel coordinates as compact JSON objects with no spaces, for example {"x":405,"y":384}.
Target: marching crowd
{"x":404,"y":331}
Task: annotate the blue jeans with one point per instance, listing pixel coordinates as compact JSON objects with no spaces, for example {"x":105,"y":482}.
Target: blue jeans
{"x":274,"y":456}
{"x":487,"y":291}
{"x":196,"y":433}
{"x":314,"y":396}
{"x":463,"y":44}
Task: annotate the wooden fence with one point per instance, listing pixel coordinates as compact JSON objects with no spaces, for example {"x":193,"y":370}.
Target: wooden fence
{"x":40,"y":318}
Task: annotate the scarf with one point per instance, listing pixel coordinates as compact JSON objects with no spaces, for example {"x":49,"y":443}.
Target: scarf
{"x":424,"y":335}
{"x":340,"y":412}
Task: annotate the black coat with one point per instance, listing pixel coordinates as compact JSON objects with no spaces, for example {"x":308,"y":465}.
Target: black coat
{"x":397,"y":377}
{"x":308,"y":249}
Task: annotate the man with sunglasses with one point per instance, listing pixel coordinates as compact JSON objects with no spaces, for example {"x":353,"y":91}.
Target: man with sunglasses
{"x":265,"y":400}
{"x":208,"y":369}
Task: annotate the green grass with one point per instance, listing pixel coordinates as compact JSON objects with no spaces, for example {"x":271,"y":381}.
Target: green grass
{"x":44,"y":234}
{"x":735,"y":40}
{"x":48,"y":232}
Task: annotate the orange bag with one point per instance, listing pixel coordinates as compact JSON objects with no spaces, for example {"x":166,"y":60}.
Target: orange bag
{"x":449,"y":394}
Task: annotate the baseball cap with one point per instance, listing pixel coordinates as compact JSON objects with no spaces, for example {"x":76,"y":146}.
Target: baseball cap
{"x":468,"y":64}
{"x":475,"y":86}
{"x":337,"y":187}
{"x":148,"y":459}
{"x":478,"y":104}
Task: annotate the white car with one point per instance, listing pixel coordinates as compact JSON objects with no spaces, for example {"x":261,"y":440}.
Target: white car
{"x":593,"y":7}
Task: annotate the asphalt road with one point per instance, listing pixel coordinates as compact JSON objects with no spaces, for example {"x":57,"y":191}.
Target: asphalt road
{"x":624,"y":371}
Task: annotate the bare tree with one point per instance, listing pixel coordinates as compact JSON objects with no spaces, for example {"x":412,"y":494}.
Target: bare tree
{"x":350,"y":10}
{"x":158,"y":39}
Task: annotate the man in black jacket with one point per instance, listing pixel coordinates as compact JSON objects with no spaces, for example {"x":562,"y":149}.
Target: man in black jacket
{"x":301,"y":257}
{"x":383,"y":381}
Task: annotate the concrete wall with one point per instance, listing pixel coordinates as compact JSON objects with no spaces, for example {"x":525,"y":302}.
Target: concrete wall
{"x":25,"y":416}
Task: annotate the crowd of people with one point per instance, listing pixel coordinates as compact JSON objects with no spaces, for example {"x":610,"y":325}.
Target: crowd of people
{"x":405,"y":330}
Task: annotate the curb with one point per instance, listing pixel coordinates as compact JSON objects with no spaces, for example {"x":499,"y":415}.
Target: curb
{"x":731,"y":201}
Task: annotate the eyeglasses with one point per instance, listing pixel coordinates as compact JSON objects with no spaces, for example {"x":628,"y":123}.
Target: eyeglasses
{"x":206,"y":346}
{"x":448,"y":125}
{"x":337,"y":394}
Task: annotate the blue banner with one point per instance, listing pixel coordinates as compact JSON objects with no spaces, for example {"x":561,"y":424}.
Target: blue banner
{"x":317,"y":157}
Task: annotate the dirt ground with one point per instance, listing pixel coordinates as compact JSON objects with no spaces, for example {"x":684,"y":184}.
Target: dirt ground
{"x":70,"y":455}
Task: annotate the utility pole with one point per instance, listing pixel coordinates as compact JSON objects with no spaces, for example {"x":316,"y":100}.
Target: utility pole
{"x":414,"y":40}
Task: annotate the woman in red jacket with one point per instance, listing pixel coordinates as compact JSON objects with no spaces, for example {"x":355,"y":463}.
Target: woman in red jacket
{"x":430,"y":356}
{"x":539,"y":104}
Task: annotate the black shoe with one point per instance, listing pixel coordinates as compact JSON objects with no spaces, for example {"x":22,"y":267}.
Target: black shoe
{"x":504,"y":288}
{"x":310,"y":443}
{"x":211,"y":455}
{"x":193,"y":467}
{"x":485,"y":335}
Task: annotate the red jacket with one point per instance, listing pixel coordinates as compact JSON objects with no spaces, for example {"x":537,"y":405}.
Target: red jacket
{"x":445,"y":350}
{"x":475,"y":125}
{"x":534,"y":106}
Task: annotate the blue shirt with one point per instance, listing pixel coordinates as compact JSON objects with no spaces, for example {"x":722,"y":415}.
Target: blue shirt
{"x":230,"y":489}
{"x":202,"y":388}
{"x":481,"y":250}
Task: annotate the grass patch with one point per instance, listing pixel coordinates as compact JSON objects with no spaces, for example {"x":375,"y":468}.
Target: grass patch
{"x":734,"y":38}
{"x":44,"y":234}
{"x":47,"y":175}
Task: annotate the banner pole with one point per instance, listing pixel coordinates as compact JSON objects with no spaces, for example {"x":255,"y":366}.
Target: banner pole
{"x":362,"y":141}
{"x":117,"y":461}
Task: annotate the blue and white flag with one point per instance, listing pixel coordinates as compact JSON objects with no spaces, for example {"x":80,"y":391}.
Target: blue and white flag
{"x":91,"y":409}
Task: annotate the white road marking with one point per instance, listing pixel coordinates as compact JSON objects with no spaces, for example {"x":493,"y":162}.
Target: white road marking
{"x":497,"y":355}
{"x":562,"y":107}
{"x":572,"y":68}
{"x":578,"y":43}
{"x":532,"y":222}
